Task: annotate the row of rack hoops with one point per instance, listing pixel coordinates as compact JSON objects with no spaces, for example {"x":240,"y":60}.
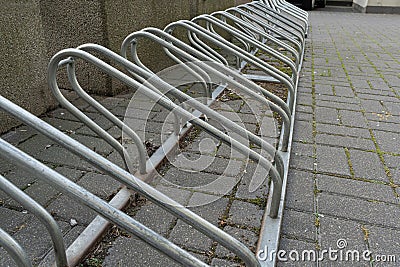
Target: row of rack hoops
{"x":221,"y":47}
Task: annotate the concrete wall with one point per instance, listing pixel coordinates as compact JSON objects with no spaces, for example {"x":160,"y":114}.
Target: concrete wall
{"x":23,"y":58}
{"x":32,"y":31}
{"x":377,"y":6}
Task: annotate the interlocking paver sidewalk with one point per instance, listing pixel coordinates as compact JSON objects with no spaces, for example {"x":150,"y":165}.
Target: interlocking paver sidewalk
{"x":349,"y":96}
{"x":344,"y":175}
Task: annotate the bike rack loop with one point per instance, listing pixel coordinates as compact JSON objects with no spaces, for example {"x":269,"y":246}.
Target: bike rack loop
{"x":14,"y":249}
{"x":169,"y":46}
{"x":271,"y":12}
{"x":283,"y":26}
{"x":88,"y":199}
{"x":96,"y":128}
{"x":216,"y":39}
{"x":236,"y":33}
{"x":37,"y":210}
{"x":102,"y":207}
{"x":223,"y":15}
{"x":302,"y":16}
{"x":255,"y":18}
{"x":162,"y":100}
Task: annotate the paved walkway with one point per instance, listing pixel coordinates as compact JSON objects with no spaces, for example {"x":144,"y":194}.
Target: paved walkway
{"x":344,"y":175}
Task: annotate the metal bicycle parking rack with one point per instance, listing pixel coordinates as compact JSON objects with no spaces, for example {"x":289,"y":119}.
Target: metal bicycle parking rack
{"x":204,"y":63}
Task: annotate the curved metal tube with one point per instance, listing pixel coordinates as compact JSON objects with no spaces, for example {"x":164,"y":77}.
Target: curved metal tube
{"x":199,"y":73}
{"x":247,"y":27}
{"x":269,"y":14}
{"x":33,"y":207}
{"x":245,"y":85}
{"x":277,"y":74}
{"x":14,"y":249}
{"x":234,"y":32}
{"x":109,"y":168}
{"x":267,"y":28}
{"x":111,"y":117}
{"x":302,"y":28}
{"x":122,"y":176}
{"x":88,"y":199}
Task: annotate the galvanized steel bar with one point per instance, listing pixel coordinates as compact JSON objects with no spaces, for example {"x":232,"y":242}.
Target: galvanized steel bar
{"x":249,"y":28}
{"x":122,"y":176}
{"x":44,"y":217}
{"x":296,"y":41}
{"x":244,"y":85}
{"x":83,"y":196}
{"x":195,"y":29}
{"x":16,"y":252}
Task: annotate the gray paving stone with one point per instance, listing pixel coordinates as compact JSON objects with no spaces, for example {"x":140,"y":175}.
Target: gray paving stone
{"x":372,"y":105}
{"x":344,"y":91}
{"x":392,"y":161}
{"x":367,"y":165}
{"x":382,"y":116}
{"x":12,"y":219}
{"x":300,"y":191}
{"x":215,"y":165}
{"x":122,"y":254}
{"x":36,"y":145}
{"x":302,"y":163}
{"x":223,"y":263}
{"x":345,"y":141}
{"x":185,"y":235}
{"x":69,"y":237}
{"x":354,"y":188}
{"x":326,"y":115}
{"x":303,"y":132}
{"x":332,"y":160}
{"x":63,"y":125}
{"x":385,"y":126}
{"x":247,"y":237}
{"x":101,"y":185}
{"x":254,"y":173}
{"x":341,"y":235}
{"x":66,"y":209}
{"x":35,"y":239}
{"x":338,"y":105}
{"x":61,"y":157}
{"x":384,"y":243}
{"x":343,"y":130}
{"x":353,"y":119}
{"x":70,"y":173}
{"x":298,"y":225}
{"x":358,"y":209}
{"x":302,"y":149}
{"x":349,"y":100}
{"x":200,"y":181}
{"x":388,"y":142}
{"x":245,"y":214}
{"x":303,"y":117}
{"x":42,"y":192}
{"x":18,"y":134}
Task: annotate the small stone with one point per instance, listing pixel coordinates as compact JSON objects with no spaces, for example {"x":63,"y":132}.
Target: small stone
{"x":73,"y":222}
